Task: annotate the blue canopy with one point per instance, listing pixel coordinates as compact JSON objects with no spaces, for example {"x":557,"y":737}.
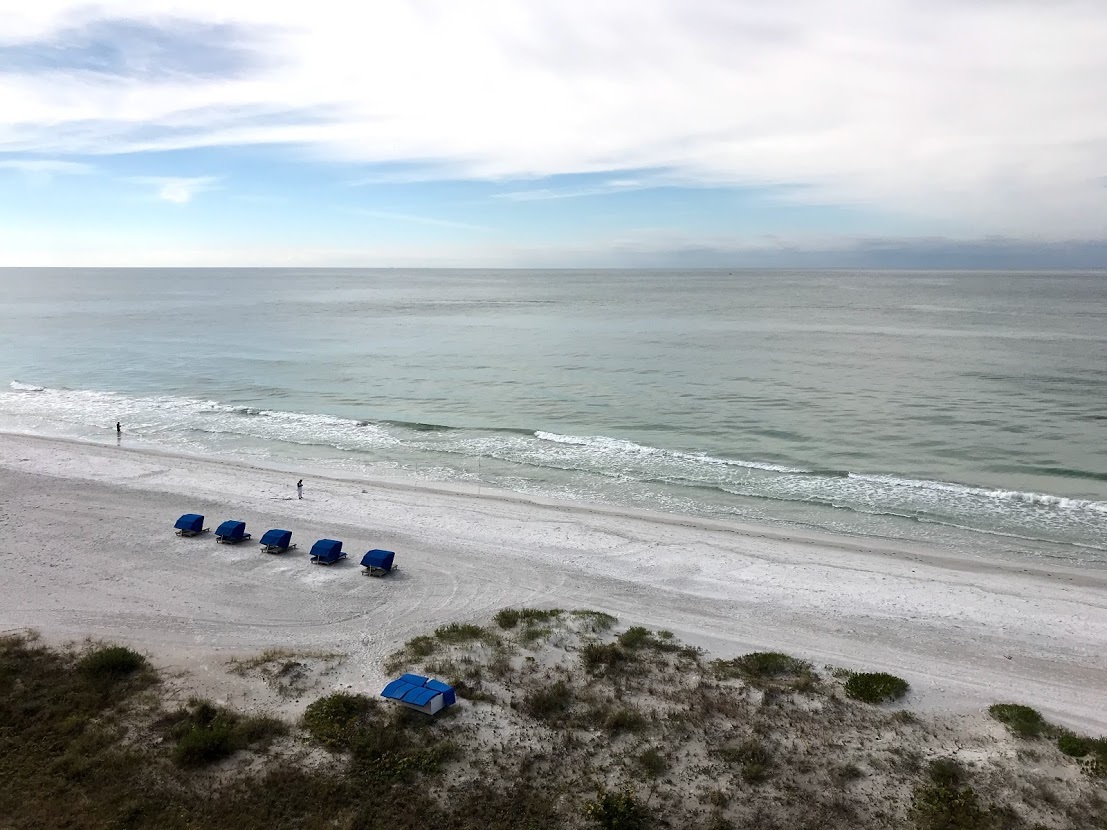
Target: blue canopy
{"x":417,"y":690}
{"x":327,"y":550}
{"x":192,"y":522}
{"x":277,"y":538}
{"x":378,"y":559}
{"x":231,"y":530}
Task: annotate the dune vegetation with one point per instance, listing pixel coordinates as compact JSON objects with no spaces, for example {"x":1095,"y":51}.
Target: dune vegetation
{"x":564,"y":720}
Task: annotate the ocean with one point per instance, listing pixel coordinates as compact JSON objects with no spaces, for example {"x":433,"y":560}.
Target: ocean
{"x":963,"y":411}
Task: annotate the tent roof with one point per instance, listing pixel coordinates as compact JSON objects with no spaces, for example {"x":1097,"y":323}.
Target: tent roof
{"x":378,"y":559}
{"x":190,"y":521}
{"x":231,"y":528}
{"x":417,"y":690}
{"x":325,"y":546}
{"x":277,"y":537}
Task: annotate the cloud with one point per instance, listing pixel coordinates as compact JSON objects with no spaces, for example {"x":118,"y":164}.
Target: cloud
{"x":141,"y":49}
{"x":986,"y":117}
{"x":46,"y":166}
{"x":179,"y":190}
{"x":603,"y":189}
{"x":419,"y":220}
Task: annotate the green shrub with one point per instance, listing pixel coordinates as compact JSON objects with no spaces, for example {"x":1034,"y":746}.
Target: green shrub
{"x":943,"y":807}
{"x":549,"y":704}
{"x":623,"y":720}
{"x":598,"y":657}
{"x":754,"y":759}
{"x":460,"y":633}
{"x":532,"y":634}
{"x":1021,"y":720}
{"x":947,"y":772}
{"x":765,"y":668}
{"x":511,"y":617}
{"x":617,"y":811}
{"x":597,"y":621}
{"x":876,"y":687}
{"x":335,"y":719}
{"x":1076,"y":746}
{"x":110,"y":663}
{"x":635,"y":637}
{"x":206,"y":733}
{"x":652,"y":762}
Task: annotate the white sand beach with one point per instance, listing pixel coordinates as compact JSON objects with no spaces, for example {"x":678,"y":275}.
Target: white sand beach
{"x":88,"y":550}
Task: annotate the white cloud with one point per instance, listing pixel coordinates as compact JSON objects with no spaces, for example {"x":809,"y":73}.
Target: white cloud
{"x":988,"y":114}
{"x":46,"y":166}
{"x":389,"y":215}
{"x":178,"y":190}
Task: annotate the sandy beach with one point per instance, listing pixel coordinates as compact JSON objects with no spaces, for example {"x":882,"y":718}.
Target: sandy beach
{"x":88,"y":551}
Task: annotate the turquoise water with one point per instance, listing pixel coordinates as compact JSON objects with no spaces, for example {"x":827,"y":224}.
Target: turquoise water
{"x":965,"y":410}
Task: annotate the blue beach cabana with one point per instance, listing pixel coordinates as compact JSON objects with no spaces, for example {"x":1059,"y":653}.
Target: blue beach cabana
{"x":231,"y":532}
{"x":277,"y":541}
{"x":327,"y":552}
{"x":190,"y":524}
{"x":420,"y":693}
{"x":377,"y":562}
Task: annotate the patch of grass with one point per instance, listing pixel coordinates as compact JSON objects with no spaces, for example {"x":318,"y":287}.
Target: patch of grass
{"x":111,"y":663}
{"x":652,"y":762}
{"x":597,"y":621}
{"x":767,"y":668}
{"x":754,"y":759}
{"x":205,"y":733}
{"x":946,"y":772}
{"x":278,"y":655}
{"x":461,"y":633}
{"x":550,"y":704}
{"x":1021,"y":720}
{"x":335,"y":720}
{"x":945,"y":807}
{"x":533,"y":634}
{"x":599,"y":657}
{"x":415,"y":649}
{"x":614,"y":720}
{"x":636,"y":637}
{"x":1073,"y":745}
{"x":876,"y":687}
{"x":511,"y":617}
{"x":617,"y":811}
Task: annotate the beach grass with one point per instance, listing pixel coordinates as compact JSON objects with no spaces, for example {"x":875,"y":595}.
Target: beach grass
{"x":655,"y":736}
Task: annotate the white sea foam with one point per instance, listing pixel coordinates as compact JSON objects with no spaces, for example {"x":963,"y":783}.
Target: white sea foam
{"x":26,"y":387}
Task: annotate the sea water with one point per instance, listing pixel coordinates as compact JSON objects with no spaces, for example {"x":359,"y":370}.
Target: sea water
{"x":966,"y":411}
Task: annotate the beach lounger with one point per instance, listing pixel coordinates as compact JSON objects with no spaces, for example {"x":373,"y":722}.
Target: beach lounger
{"x":190,"y":524}
{"x":231,"y":533}
{"x":378,"y":562}
{"x":327,"y":552}
{"x":277,"y":541}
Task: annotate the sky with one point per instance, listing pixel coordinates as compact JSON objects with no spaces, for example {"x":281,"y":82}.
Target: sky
{"x":542,"y":133}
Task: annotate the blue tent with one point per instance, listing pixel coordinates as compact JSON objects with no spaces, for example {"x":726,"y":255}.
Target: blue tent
{"x":277,"y":541}
{"x":420,"y":693}
{"x":327,"y":552}
{"x":378,"y":562}
{"x":190,"y":524}
{"x":231,"y":532}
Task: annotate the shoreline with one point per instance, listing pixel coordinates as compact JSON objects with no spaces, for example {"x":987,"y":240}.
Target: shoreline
{"x":879,"y":546}
{"x":965,"y":631}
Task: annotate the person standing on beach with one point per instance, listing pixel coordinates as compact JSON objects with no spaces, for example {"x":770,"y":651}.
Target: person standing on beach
{"x":300,"y":488}
{"x":118,"y":428}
